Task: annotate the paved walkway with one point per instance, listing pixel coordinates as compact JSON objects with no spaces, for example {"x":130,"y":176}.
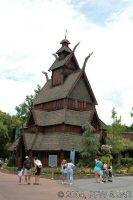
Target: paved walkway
{"x":120,"y":188}
{"x":47,"y":190}
{"x":54,"y":190}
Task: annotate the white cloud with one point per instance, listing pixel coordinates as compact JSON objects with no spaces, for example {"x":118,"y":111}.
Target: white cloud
{"x":32,"y":30}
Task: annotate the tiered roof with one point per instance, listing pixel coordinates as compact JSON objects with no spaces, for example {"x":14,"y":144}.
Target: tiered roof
{"x":72,"y":87}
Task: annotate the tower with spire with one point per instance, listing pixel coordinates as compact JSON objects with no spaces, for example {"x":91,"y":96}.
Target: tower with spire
{"x":64,"y":104}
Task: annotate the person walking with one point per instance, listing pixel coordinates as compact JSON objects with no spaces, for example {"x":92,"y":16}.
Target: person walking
{"x":27,"y":166}
{"x":64,"y":170}
{"x":105,"y":172}
{"x":110,"y":172}
{"x":0,"y":164}
{"x":20,"y":174}
{"x":38,"y":166}
{"x":70,"y":166}
{"x":98,"y":170}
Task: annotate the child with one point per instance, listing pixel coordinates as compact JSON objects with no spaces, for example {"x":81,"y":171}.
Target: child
{"x":20,"y":174}
{"x":64,"y":170}
{"x":109,"y":172}
{"x":105,"y":172}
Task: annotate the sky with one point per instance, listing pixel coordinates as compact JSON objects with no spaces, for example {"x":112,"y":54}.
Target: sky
{"x":31,"y":30}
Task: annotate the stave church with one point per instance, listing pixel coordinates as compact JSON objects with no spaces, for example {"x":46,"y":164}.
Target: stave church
{"x":64,"y":104}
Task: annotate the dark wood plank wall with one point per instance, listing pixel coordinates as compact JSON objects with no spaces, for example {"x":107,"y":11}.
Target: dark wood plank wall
{"x":57,"y":77}
{"x":55,"y":128}
{"x":65,"y":103}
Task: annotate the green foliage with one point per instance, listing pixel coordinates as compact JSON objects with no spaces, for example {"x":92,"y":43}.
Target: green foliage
{"x":24,"y":108}
{"x":3,"y":137}
{"x":105,"y":159}
{"x":85,"y":171}
{"x":115,"y":134}
{"x":90,"y":145}
{"x":49,"y":171}
{"x":130,"y":170}
{"x":126,"y":161}
{"x":7,"y":124}
{"x":12,"y":161}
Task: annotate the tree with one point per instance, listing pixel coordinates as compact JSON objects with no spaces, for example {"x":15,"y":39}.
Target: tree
{"x":3,"y":138}
{"x":7,"y":124}
{"x":115,"y":133}
{"x":24,"y":108}
{"x":116,"y":138}
{"x":90,"y":145}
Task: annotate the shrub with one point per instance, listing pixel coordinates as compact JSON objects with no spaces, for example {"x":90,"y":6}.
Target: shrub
{"x":126,"y":161}
{"x":57,"y":171}
{"x":122,"y":171}
{"x":130,"y":170}
{"x":85,"y":171}
{"x":49,"y":171}
{"x":105,"y":159}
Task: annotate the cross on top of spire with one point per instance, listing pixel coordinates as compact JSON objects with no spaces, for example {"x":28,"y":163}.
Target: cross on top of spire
{"x":65,"y":34}
{"x":65,"y":42}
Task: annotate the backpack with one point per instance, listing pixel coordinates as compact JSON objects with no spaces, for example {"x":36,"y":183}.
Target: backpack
{"x":28,"y":164}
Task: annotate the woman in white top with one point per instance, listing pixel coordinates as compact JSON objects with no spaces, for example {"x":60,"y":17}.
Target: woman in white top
{"x":38,"y":166}
{"x":70,"y":166}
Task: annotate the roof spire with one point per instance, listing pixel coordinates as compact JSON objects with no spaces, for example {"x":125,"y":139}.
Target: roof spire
{"x":65,"y":42}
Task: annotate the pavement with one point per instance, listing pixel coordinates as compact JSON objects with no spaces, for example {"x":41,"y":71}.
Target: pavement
{"x":120,"y":188}
{"x":54,"y":190}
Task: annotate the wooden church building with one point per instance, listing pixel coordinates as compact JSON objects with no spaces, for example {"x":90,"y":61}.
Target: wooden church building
{"x":64,"y":104}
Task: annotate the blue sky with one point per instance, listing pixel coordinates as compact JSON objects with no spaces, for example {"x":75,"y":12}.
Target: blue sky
{"x":31,"y":30}
{"x":100,"y":11}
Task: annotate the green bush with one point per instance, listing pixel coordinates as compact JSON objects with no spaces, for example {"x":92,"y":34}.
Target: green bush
{"x":57,"y":171}
{"x":130,"y":170}
{"x":84,"y":171}
{"x":12,"y":161}
{"x":121,"y":171}
{"x":49,"y":171}
{"x":105,"y":159}
{"x":126,"y":161}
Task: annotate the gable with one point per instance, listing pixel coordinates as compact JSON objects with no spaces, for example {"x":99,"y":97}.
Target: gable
{"x":80,"y":92}
{"x":72,"y":63}
{"x":49,"y":93}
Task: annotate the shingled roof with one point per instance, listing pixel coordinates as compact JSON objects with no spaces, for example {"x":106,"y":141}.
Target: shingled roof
{"x":71,"y":117}
{"x":49,"y":93}
{"x":51,"y":141}
{"x":13,"y":145}
{"x":64,"y":48}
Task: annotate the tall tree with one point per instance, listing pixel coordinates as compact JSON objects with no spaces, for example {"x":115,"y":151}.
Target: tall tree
{"x":7,"y":124}
{"x":4,"y":138}
{"x":115,"y":134}
{"x":24,"y":108}
{"x":90,"y":144}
